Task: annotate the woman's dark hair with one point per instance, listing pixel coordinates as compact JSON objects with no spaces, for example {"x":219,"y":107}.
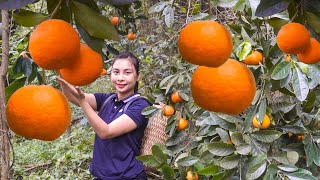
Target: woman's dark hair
{"x":134,"y":60}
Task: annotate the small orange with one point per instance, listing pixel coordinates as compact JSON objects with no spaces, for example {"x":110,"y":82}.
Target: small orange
{"x":293,"y":38}
{"x":254,"y":58}
{"x":175,"y":97}
{"x":115,"y":20}
{"x":290,"y":134}
{"x":182,"y":124}
{"x":190,"y":176}
{"x":168,"y":110}
{"x":229,"y":140}
{"x":265,"y":122}
{"x":312,"y":54}
{"x":131,"y":36}
{"x":104,"y":72}
{"x":287,"y":57}
{"x":301,"y":137}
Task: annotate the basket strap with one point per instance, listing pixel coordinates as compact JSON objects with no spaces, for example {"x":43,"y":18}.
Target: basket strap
{"x":106,"y":101}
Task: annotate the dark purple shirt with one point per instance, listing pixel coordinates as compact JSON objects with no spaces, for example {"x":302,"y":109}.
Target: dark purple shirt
{"x":114,"y":159}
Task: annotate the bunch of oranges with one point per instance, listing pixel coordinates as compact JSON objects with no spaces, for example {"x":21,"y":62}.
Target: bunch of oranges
{"x":55,"y":45}
{"x":294,"y":38}
{"x":219,"y":84}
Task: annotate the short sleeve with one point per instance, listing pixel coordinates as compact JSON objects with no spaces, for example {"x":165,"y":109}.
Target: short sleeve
{"x":135,"y":109}
{"x":100,"y":98}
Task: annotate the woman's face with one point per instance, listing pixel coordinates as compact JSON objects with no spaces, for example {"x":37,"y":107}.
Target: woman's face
{"x":124,"y":76}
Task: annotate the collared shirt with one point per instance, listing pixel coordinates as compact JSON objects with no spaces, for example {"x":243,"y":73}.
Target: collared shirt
{"x":114,"y":159}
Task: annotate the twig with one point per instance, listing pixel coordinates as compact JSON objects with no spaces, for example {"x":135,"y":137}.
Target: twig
{"x":35,"y":166}
{"x":56,"y":9}
{"x":188,"y":11}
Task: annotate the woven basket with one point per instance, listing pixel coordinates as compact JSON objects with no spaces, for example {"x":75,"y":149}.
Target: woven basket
{"x":154,"y":133}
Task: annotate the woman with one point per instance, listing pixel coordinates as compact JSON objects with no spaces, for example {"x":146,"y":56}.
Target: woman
{"x":118,"y":134}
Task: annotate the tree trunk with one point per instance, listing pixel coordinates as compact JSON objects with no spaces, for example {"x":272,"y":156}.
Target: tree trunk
{"x":3,"y":71}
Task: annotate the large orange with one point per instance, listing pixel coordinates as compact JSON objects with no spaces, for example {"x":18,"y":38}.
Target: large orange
{"x":312,"y":54}
{"x":293,"y":38}
{"x":205,"y":43}
{"x":53,"y":44}
{"x":229,"y":88}
{"x":86,"y":69}
{"x":254,"y":58}
{"x":39,"y":112}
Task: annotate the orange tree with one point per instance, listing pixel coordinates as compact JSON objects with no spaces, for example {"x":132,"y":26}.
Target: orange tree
{"x":213,"y":145}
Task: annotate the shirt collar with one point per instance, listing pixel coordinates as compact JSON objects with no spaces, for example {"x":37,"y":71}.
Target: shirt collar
{"x":127,"y":99}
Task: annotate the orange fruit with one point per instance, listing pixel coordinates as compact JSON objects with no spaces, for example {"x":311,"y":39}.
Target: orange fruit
{"x":54,"y":44}
{"x":175,"y":97}
{"x":115,"y":20}
{"x":38,"y":112}
{"x":190,"y":176}
{"x":287,"y":57}
{"x":229,"y":88}
{"x":182,"y":124}
{"x":254,"y":58}
{"x":205,"y":43}
{"x":131,"y":36}
{"x":104,"y":72}
{"x":290,"y":134}
{"x":265,"y":122}
{"x":301,"y":137}
{"x":86,"y":69}
{"x":168,"y":110}
{"x":293,"y":38}
{"x":312,"y":54}
{"x":229,"y":140}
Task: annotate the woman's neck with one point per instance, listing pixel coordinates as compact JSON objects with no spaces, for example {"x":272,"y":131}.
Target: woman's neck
{"x":122,"y":96}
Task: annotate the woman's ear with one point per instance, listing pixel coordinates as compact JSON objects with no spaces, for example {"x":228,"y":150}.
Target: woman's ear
{"x":138,"y":78}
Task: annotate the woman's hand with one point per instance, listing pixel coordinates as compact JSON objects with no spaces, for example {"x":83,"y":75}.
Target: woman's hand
{"x":70,"y":89}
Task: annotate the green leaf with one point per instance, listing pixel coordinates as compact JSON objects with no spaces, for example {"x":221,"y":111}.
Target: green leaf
{"x":163,"y":81}
{"x":93,"y":42}
{"x":304,"y":67}
{"x":187,"y":161}
{"x":314,"y":76}
{"x":230,"y":162}
{"x":300,"y":84}
{"x":177,"y":138}
{"x":15,"y":85}
{"x":148,"y":110}
{"x":229,"y":118}
{"x":148,"y":160}
{"x":281,"y":71}
{"x":171,"y":82}
{"x":262,"y":110}
{"x":184,"y":96}
{"x":288,"y":167}
{"x":29,"y":18}
{"x":249,"y":118}
{"x":26,"y":66}
{"x":94,"y":23}
{"x":220,"y":149}
{"x":244,"y":149}
{"x":223,"y":134}
{"x":314,"y":21}
{"x":167,"y":172}
{"x":209,"y":170}
{"x":300,"y":176}
{"x":237,"y":138}
{"x":117,"y":2}
{"x":17,"y":68}
{"x":294,"y":129}
{"x":270,"y":7}
{"x":266,"y":136}
{"x":293,"y":157}
{"x":168,"y":13}
{"x":243,"y":50}
{"x":257,"y":166}
{"x":158,"y":7}
{"x":158,"y":154}
{"x":271,"y":172}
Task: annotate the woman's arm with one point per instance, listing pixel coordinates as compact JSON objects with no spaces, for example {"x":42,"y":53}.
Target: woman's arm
{"x":68,"y":88}
{"x":119,"y":126}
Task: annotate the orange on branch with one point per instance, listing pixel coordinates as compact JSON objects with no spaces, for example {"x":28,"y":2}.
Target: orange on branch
{"x":131,"y":36}
{"x":104,"y":72}
{"x":293,"y":38}
{"x":312,"y":54}
{"x":205,"y":43}
{"x":182,"y":124}
{"x":265,"y":122}
{"x":54,"y":44}
{"x":38,"y":112}
{"x":254,"y":58}
{"x":168,"y":110}
{"x":115,"y":20}
{"x":175,"y":97}
{"x":229,"y":88}
{"x":192,"y":176}
{"x":86,"y":69}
